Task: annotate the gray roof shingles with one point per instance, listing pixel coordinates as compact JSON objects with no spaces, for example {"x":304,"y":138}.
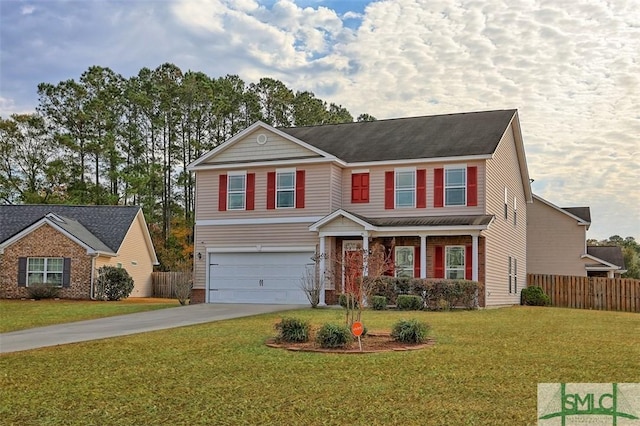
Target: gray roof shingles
{"x":436,"y":136}
{"x":583,"y":213}
{"x":102,"y":228}
{"x":611,"y":254}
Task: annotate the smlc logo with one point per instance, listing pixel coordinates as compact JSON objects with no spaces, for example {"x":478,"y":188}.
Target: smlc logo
{"x":593,"y":403}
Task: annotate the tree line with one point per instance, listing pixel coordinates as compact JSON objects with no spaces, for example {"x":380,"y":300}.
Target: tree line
{"x":106,"y":139}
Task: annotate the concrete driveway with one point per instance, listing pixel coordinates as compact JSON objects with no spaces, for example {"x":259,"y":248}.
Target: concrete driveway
{"x":123,"y":325}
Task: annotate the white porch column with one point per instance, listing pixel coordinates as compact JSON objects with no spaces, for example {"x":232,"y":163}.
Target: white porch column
{"x":365,"y":253}
{"x":322,"y":271}
{"x":474,"y":257}
{"x":423,"y":256}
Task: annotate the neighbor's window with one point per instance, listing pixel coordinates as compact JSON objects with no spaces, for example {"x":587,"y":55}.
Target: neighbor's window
{"x":404,"y":262}
{"x":455,"y":182}
{"x":45,"y":270}
{"x":405,"y":188}
{"x":454,"y":262}
{"x":236,"y":191}
{"x":285,"y":189}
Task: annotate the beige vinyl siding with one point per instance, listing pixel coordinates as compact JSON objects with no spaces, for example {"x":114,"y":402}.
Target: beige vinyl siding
{"x":503,"y":239}
{"x":375,"y":206}
{"x":248,"y":237}
{"x":248,"y":149}
{"x":336,"y":188}
{"x":134,"y":256}
{"x":317,"y":192}
{"x":555,"y":242}
{"x":343,"y":224}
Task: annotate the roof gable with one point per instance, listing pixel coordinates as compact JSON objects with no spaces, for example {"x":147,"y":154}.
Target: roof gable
{"x":581,"y":214}
{"x":99,"y":227}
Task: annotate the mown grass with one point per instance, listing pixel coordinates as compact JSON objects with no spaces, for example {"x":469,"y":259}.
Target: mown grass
{"x":483,"y":370}
{"x":21,"y":314}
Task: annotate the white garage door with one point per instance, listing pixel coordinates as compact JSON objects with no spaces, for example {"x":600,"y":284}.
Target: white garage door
{"x":258,"y":277}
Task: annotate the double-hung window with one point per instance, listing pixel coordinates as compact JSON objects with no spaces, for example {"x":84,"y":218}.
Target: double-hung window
{"x":454,"y":265}
{"x":285,"y":188}
{"x":405,"y":188}
{"x":45,"y":270}
{"x":404,"y":261}
{"x":236,"y":191}
{"x":455,"y":183}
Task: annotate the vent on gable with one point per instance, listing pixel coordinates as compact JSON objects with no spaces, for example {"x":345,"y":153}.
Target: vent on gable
{"x":262,"y":139}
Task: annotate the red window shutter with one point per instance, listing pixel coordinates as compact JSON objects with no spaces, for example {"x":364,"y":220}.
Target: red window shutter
{"x":416,"y":262}
{"x":472,"y":186}
{"x":421,"y":188}
{"x":222,"y":193}
{"x":438,"y":188}
{"x":389,"y":182}
{"x":364,"y":187}
{"x":271,"y":190}
{"x":468,"y":263}
{"x":439,"y":262}
{"x":251,"y":191}
{"x":360,"y":188}
{"x":299,"y":189}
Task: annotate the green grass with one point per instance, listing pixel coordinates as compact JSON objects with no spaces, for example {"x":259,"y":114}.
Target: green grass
{"x":22,"y":314}
{"x":483,"y":370}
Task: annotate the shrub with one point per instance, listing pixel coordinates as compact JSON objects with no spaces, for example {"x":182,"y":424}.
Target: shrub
{"x":293,"y":330}
{"x":534,"y":296}
{"x":43,"y":291}
{"x":383,"y":286}
{"x":334,"y":336}
{"x":409,"y":331}
{"x":342,"y":301}
{"x":183,"y":290}
{"x":113,"y":283}
{"x":409,"y":302}
{"x":379,"y":303}
{"x":311,"y":285}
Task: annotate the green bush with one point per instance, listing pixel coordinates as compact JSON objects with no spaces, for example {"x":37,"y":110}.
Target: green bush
{"x":342,"y":301}
{"x":113,"y":283}
{"x":379,"y":303}
{"x":409,"y":302}
{"x":292,"y":330}
{"x":383,"y":286}
{"x":39,"y":291}
{"x":534,"y":296}
{"x":409,"y":331}
{"x":334,"y":336}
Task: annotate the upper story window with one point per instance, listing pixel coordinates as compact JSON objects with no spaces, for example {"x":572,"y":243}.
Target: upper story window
{"x":405,"y":188}
{"x":236,"y":191}
{"x":360,"y":187}
{"x":47,"y":270}
{"x":285,"y":189}
{"x":455,"y":186}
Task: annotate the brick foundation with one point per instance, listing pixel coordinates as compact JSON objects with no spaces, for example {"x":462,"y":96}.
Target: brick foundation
{"x":197,"y":296}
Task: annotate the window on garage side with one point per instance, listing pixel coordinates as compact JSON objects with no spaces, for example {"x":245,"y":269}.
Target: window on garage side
{"x":236,"y":191}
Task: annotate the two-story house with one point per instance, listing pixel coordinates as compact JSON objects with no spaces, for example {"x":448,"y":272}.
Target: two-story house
{"x":446,"y":194}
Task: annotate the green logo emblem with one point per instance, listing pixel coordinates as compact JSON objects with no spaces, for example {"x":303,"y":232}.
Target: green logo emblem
{"x":586,"y":399}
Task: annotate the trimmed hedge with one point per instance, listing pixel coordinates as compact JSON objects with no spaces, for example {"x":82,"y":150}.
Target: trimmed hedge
{"x":379,"y":303}
{"x":409,"y":302}
{"x":435,"y":293}
{"x":534,"y":296}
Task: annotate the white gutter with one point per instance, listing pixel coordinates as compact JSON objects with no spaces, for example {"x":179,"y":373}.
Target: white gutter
{"x":93,"y":269}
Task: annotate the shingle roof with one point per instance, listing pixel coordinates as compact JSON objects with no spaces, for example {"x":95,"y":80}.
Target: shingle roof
{"x":583,"y":213}
{"x":458,"y":220}
{"x":99,"y":227}
{"x":451,"y":135}
{"x":611,"y":254}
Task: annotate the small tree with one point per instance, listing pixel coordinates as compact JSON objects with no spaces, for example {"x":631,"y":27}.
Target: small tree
{"x":113,"y":283}
{"x":311,"y":283}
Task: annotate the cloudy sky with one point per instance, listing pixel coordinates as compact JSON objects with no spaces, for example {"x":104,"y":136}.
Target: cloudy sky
{"x":571,"y":68}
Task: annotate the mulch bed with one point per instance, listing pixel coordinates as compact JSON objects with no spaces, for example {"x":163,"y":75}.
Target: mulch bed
{"x":371,"y":343}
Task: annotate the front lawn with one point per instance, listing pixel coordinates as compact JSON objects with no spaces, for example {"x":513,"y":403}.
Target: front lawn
{"x":22,"y":314}
{"x":484,"y":369}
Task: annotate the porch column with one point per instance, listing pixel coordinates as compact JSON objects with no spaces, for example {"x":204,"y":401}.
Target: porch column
{"x":365,"y":253}
{"x":423,"y":256}
{"x":322,"y":269}
{"x":474,"y":257}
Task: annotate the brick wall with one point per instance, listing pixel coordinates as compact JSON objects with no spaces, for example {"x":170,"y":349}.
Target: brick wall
{"x":46,"y":242}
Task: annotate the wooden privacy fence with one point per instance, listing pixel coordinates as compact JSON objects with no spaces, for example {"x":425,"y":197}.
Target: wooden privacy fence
{"x":609,"y":294}
{"x":165,"y":283}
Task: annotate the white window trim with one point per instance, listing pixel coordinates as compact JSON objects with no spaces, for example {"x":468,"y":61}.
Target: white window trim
{"x":444,"y":184}
{"x":243,"y":192}
{"x":506,"y":203}
{"x":359,"y":171}
{"x":446,"y":263}
{"x":395,"y":186}
{"x":515,"y":211}
{"x":411,"y":255}
{"x":281,"y":171}
{"x":45,"y":271}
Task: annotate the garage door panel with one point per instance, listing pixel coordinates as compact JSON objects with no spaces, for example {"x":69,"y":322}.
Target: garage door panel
{"x":258,"y":277}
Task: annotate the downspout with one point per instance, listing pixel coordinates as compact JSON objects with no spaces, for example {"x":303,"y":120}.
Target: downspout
{"x":93,"y":269}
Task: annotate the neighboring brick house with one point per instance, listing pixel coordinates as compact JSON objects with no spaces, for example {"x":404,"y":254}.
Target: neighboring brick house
{"x":447,"y":195}
{"x":557,"y":243}
{"x":66,"y":245}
